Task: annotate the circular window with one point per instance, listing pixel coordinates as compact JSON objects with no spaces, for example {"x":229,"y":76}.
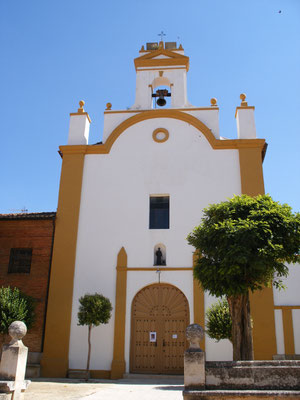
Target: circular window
{"x":160,"y":135}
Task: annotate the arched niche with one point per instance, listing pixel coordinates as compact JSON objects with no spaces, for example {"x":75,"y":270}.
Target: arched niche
{"x":160,"y":259}
{"x":160,"y":81}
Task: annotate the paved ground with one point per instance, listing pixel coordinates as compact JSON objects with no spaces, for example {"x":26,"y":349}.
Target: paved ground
{"x":124,"y":389}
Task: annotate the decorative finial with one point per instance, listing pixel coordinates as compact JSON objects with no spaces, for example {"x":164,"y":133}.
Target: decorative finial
{"x":17,"y":330}
{"x":243,"y":98}
{"x":161,"y":45}
{"x":108,"y":106}
{"x":142,"y":48}
{"x":81,"y":104}
{"x":180,"y":47}
{"x":213,"y":102}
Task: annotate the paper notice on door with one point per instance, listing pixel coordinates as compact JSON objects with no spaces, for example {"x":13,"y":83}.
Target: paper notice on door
{"x":174,"y":336}
{"x":152,"y":336}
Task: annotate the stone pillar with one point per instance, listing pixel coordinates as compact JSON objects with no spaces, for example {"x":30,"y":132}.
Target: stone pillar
{"x":245,"y":120}
{"x":79,"y":126}
{"x":194,"y":359}
{"x":13,"y":362}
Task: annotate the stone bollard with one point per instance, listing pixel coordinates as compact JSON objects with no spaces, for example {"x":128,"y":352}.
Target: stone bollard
{"x":194,"y":359}
{"x":13,"y":363}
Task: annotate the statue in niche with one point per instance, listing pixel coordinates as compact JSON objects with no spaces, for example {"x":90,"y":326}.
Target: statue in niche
{"x":158,"y":254}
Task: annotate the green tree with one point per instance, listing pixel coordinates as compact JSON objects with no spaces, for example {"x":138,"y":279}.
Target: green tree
{"x":218,"y":320}
{"x":244,"y":243}
{"x":94,"y":310}
{"x":15,"y":306}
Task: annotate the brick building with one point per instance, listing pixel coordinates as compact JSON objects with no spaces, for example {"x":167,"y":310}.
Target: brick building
{"x":25,"y":257}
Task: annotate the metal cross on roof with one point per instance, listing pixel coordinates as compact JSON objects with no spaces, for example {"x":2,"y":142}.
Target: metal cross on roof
{"x":161,"y":34}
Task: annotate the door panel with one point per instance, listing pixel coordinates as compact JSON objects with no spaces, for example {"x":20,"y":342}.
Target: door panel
{"x":163,"y":309}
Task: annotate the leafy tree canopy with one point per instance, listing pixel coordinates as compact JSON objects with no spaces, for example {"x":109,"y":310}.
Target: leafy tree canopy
{"x":94,"y":309}
{"x":15,"y":306}
{"x":218,"y":321}
{"x":244,"y":243}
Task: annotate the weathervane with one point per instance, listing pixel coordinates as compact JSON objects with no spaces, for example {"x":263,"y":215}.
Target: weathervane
{"x":161,"y":34}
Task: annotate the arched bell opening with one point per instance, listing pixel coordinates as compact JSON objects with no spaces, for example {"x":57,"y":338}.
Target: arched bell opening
{"x":160,"y":254}
{"x":161,"y":92}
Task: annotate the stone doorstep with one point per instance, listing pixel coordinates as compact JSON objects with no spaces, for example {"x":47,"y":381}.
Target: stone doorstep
{"x":175,"y":378}
{"x":240,"y":394}
{"x":78,"y":374}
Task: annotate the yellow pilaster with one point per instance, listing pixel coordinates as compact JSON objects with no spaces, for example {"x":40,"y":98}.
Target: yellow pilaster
{"x":118,"y":362}
{"x":199,"y":309}
{"x":262,"y":303}
{"x":57,"y":333}
{"x":288,"y":331}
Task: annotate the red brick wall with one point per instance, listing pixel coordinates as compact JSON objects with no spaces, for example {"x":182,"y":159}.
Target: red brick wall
{"x":36,"y":234}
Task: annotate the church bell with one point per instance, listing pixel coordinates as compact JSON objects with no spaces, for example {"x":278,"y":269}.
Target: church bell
{"x":161,"y":94}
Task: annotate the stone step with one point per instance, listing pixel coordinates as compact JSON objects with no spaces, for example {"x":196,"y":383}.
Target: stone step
{"x":33,"y":371}
{"x":5,"y":396}
{"x":241,"y":394}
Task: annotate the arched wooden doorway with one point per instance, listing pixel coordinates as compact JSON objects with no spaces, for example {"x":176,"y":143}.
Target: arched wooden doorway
{"x":159,"y":317}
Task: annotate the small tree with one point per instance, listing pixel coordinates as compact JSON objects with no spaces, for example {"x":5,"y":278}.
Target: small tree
{"x":15,"y":306}
{"x":94,"y":310}
{"x":244,"y":243}
{"x":218,"y":321}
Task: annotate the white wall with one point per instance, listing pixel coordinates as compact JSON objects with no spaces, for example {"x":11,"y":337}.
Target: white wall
{"x":288,"y":297}
{"x":291,"y":295}
{"x":114,"y":212}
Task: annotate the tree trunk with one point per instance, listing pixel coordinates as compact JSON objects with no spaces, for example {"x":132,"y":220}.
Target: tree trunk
{"x":241,"y":327}
{"x":89,"y":354}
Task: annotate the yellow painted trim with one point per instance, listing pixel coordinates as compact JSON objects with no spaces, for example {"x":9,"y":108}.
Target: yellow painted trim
{"x":244,"y":108}
{"x":57,"y":333}
{"x":159,"y":68}
{"x":82,"y":113}
{"x":174,"y":109}
{"x":252,"y":180}
{"x":157,"y":131}
{"x":256,"y":144}
{"x":288,"y":331}
{"x":261,"y":302}
{"x":199,"y":306}
{"x":160,"y":268}
{"x":287,"y":307}
{"x":118,"y":362}
{"x":150,"y":60}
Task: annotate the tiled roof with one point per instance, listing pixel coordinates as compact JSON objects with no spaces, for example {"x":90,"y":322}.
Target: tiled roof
{"x":41,"y":215}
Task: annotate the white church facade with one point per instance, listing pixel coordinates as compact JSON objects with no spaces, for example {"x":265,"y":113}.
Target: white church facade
{"x":125,"y":209}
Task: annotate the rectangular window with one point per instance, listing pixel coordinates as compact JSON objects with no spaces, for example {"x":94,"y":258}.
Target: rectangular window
{"x":159,"y":212}
{"x":20,"y":261}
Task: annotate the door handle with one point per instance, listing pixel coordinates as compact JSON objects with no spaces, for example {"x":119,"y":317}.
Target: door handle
{"x":164,"y":343}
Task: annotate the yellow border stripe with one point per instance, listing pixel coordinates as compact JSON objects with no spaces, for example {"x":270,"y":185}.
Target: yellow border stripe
{"x":256,"y":145}
{"x":262,"y":303}
{"x":57,"y":333}
{"x":118,"y":362}
{"x":288,"y":331}
{"x":199,"y":306}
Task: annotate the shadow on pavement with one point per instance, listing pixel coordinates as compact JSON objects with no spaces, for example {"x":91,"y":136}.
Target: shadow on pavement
{"x":177,"y":387}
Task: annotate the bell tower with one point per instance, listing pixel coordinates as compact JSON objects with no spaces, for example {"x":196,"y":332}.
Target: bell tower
{"x":161,"y":64}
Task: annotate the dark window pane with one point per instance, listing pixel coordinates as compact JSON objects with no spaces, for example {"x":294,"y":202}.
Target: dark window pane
{"x":20,"y":261}
{"x":159,"y":213}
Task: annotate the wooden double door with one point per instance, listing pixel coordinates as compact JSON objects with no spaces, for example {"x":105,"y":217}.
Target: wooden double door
{"x":160,"y":315}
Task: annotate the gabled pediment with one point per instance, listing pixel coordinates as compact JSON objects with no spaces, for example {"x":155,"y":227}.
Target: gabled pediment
{"x":161,"y":57}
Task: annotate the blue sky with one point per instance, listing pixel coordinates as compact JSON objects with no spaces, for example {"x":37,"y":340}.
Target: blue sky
{"x":54,"y":53}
